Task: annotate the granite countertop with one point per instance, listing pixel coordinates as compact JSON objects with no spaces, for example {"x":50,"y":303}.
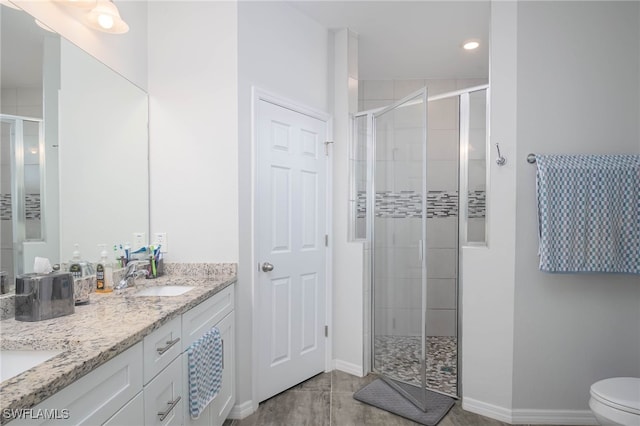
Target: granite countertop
{"x":95,"y":333}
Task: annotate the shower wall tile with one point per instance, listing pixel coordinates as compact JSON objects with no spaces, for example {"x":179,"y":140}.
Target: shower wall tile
{"x":442,"y":175}
{"x":477,"y":175}
{"x":441,"y":263}
{"x":442,"y":144}
{"x":476,"y":230}
{"x":7,"y":234}
{"x":440,"y":86}
{"x":470,"y":82}
{"x":443,"y":114}
{"x":409,"y":116}
{"x":411,"y":146}
{"x":374,"y":104}
{"x":441,"y":322}
{"x":29,"y":96}
{"x":442,"y":232}
{"x":402,"y":88}
{"x":378,"y":89}
{"x":441,"y":293}
{"x":477,"y":144}
{"x":9,"y":99}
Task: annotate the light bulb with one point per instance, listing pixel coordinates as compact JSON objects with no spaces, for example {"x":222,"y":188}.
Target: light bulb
{"x":470,"y":45}
{"x":105,"y":21}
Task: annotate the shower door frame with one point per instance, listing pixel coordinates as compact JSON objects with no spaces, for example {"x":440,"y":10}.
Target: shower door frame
{"x":463,"y":132}
{"x":372,"y":115}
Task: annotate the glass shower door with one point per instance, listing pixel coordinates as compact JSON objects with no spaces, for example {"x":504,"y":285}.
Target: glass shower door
{"x":399,"y":241}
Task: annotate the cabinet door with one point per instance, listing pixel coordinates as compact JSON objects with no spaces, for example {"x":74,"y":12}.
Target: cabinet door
{"x":94,"y":398}
{"x":161,"y":347}
{"x":163,"y":397}
{"x":131,"y":414}
{"x":223,"y":402}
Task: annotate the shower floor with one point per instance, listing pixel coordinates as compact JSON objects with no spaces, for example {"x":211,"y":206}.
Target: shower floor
{"x":399,"y":357}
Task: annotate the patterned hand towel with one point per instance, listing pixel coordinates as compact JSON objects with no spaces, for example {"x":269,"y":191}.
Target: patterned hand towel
{"x":589,"y":213}
{"x":205,"y":371}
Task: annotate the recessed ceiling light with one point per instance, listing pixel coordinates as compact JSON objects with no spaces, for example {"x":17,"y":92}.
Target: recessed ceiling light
{"x":470,"y":45}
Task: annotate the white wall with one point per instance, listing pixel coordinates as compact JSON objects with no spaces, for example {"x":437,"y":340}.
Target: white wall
{"x":193,"y":128}
{"x":577,"y":93}
{"x":486,"y":274}
{"x":285,"y":53}
{"x":533,"y":343}
{"x":348,"y":329}
{"x":125,"y":53}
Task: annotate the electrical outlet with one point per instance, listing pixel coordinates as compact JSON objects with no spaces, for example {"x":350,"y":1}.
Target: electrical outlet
{"x":160,"y":239}
{"x":139,"y":240}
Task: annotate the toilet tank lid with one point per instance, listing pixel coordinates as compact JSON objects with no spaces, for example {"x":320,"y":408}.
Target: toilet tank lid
{"x":621,"y":391}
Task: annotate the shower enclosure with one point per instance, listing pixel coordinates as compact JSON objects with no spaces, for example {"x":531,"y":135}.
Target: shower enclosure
{"x":408,"y":177}
{"x":22,"y":178}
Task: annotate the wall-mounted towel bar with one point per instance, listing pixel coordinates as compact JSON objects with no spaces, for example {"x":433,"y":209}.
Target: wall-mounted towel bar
{"x":531,"y":158}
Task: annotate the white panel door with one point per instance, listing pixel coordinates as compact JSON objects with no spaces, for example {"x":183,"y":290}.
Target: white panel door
{"x":291,"y":198}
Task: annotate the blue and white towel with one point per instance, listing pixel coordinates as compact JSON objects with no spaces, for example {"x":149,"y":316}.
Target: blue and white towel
{"x":205,"y":371}
{"x":589,"y":213}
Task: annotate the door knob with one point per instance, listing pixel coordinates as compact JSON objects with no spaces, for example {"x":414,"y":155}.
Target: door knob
{"x":267,"y":267}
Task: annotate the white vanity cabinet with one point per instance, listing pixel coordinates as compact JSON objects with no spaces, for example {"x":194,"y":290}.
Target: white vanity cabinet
{"x":163,"y":390}
{"x":217,"y":312}
{"x":148,"y":383}
{"x":94,"y":398}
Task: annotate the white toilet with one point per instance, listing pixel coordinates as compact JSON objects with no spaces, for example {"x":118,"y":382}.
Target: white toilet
{"x":616,"y":401}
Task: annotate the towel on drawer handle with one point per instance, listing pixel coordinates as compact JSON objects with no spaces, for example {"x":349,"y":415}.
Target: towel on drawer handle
{"x":205,"y":371}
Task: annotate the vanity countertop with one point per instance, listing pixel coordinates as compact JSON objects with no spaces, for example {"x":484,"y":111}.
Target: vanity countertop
{"x":94,"y":334}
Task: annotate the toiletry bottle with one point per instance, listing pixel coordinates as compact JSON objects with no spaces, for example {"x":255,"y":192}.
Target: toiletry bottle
{"x":74,"y":265}
{"x":104,"y":272}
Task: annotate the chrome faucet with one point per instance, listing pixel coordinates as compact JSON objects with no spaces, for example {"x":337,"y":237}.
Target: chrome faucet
{"x":130,"y":274}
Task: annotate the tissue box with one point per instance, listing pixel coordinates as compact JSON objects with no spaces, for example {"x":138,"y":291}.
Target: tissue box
{"x":43,"y":296}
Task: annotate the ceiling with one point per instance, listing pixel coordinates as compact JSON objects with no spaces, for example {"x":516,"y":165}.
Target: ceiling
{"x":396,"y":39}
{"x":411,"y":39}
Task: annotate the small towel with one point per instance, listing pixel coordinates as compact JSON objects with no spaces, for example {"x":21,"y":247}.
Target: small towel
{"x":205,"y":371}
{"x":589,"y":213}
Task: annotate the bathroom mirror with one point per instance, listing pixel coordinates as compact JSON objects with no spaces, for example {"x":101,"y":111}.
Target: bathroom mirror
{"x":84,"y":178}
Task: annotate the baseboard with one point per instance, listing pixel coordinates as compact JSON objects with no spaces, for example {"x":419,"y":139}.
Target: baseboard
{"x":347,"y":367}
{"x":527,"y":417}
{"x":487,"y":410}
{"x":241,"y":411}
{"x":553,"y":417}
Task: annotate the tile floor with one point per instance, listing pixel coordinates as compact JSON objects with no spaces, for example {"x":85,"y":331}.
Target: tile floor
{"x":327,"y":399}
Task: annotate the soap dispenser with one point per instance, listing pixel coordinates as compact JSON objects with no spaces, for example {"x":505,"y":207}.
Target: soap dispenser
{"x":104,"y":272}
{"x":79,"y":268}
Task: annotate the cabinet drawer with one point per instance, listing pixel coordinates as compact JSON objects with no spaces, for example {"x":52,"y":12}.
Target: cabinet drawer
{"x":163,"y":398}
{"x":94,"y":398}
{"x":200,"y":319}
{"x":161,"y":347}
{"x":131,"y":414}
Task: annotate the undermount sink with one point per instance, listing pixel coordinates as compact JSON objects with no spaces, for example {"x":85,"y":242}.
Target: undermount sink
{"x":164,"y":290}
{"x":14,"y":362}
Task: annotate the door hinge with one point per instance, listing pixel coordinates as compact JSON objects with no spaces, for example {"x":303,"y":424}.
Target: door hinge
{"x":326,"y":331}
{"x":326,"y":240}
{"x":326,"y":147}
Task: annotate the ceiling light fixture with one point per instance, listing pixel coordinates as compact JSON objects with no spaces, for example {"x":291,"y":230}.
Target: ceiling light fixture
{"x":470,"y":45}
{"x":80,"y":4}
{"x":106,"y":17}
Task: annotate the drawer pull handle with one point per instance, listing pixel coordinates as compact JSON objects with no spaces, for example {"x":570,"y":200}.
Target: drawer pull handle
{"x":170,"y":343}
{"x":222,"y":340}
{"x":163,"y":414}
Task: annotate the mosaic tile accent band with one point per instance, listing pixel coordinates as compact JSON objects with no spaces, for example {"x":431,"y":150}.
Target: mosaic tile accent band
{"x":408,"y":204}
{"x":32,"y":206}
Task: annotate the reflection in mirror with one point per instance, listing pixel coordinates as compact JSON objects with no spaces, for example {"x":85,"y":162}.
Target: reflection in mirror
{"x":79,"y":172}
